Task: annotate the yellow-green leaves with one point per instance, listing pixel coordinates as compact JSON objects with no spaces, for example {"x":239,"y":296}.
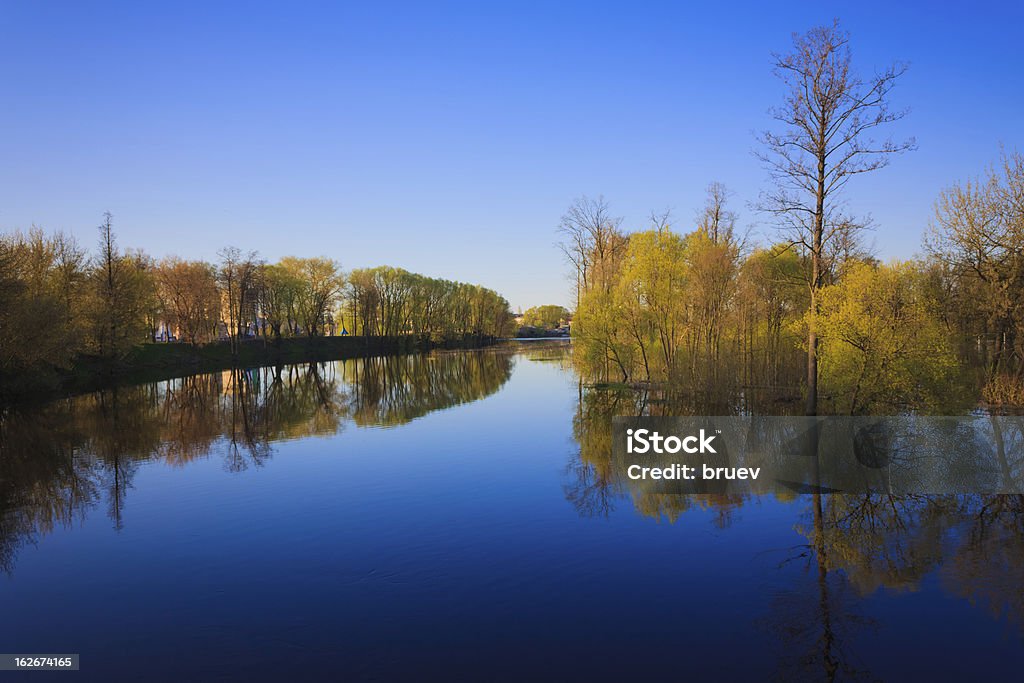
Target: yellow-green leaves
{"x":549,"y":316}
{"x":882,"y":344}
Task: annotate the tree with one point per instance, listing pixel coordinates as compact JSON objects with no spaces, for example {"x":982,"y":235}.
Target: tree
{"x":386,"y":301}
{"x":189,"y":298}
{"x":278,"y":292}
{"x":69,"y":273}
{"x":599,"y":338}
{"x":718,"y":222}
{"x":883,"y":345}
{"x":317,"y":286}
{"x":827,"y":122}
{"x":593,"y":243}
{"x":649,"y":292}
{"x":122,"y":294}
{"x":978,"y":238}
{"x":37,"y":330}
{"x":770,"y":289}
{"x":238,"y":277}
{"x":548,"y":316}
{"x":713,"y":254}
{"x":363,"y":301}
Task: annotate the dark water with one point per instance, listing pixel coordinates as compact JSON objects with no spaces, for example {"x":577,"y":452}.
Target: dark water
{"x":455,"y":517}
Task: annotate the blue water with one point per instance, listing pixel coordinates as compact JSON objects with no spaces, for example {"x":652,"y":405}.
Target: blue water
{"x":447,"y":548}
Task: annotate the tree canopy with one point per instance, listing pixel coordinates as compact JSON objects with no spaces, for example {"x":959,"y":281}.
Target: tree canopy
{"x":548,"y":316}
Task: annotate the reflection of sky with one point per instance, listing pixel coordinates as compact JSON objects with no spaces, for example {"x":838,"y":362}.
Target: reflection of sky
{"x":446,"y":543}
{"x":460,"y":134}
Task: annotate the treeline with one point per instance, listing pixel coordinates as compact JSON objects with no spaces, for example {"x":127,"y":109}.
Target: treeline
{"x":976,"y":247}
{"x":59,"y":303}
{"x":695,"y":308}
{"x":548,"y":316}
{"x":705,"y":309}
{"x":387,"y":301}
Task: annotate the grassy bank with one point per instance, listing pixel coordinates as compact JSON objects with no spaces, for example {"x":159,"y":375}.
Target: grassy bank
{"x":156,"y":362}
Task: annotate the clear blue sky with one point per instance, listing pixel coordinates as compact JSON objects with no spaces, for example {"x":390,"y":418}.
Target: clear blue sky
{"x":449,"y":139}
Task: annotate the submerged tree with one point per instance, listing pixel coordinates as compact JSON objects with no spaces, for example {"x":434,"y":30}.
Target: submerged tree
{"x":713,"y":254}
{"x":827,"y":121}
{"x":883,"y":345}
{"x":770,"y":299}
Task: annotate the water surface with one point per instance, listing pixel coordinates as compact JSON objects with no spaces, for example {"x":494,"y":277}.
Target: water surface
{"x":455,"y":515}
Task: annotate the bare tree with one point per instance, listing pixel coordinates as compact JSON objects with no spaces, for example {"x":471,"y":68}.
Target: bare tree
{"x":716,"y":220}
{"x":592,"y":240}
{"x":827,"y":122}
{"x":661,"y":221}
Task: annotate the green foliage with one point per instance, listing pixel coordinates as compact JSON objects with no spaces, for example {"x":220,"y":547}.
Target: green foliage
{"x":548,"y":316}
{"x":771,"y":295}
{"x":649,"y":296}
{"x":666,"y":309}
{"x":682,"y":309}
{"x":59,"y":308}
{"x":42,"y":314}
{"x":387,"y":301}
{"x":313,"y":286}
{"x":278,"y":294}
{"x":601,"y":347}
{"x":882,"y":342}
{"x":977,"y":246}
{"x":698,"y":313}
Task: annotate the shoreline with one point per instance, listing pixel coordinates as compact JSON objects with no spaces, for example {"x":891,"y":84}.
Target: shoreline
{"x":157,"y":362}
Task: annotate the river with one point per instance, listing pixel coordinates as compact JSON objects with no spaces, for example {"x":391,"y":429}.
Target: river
{"x":454,"y":516}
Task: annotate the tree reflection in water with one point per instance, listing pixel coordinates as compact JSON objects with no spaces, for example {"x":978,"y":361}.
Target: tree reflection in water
{"x":61,"y":460}
{"x":853,"y":545}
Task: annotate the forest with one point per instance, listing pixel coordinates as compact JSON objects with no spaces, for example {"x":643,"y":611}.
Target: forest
{"x":707,"y":308}
{"x":60,"y":304}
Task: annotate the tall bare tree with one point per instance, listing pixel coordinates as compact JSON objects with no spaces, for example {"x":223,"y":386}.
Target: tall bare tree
{"x":592,"y":241}
{"x":826,"y":137}
{"x":716,"y":219}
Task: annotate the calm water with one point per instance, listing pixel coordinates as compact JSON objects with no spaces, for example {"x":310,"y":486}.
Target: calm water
{"x":454,"y":516}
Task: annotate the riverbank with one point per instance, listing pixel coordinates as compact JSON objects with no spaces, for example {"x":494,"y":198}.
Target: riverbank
{"x":161,"y":361}
{"x":528,"y":332}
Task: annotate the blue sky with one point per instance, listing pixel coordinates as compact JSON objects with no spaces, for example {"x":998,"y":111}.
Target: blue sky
{"x":448,"y":139}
